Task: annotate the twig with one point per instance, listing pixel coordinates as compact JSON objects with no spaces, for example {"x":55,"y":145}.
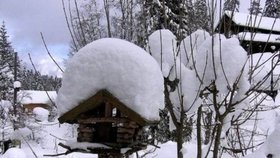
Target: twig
{"x":68,"y":25}
{"x":57,"y":137}
{"x":40,"y":80}
{"x":80,"y":23}
{"x":50,"y":53}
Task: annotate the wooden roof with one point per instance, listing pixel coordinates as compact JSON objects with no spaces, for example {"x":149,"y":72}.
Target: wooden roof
{"x":94,"y":101}
{"x":248,"y":22}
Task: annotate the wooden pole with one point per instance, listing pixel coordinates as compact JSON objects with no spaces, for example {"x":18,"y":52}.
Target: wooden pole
{"x":15,"y":89}
{"x":15,"y":92}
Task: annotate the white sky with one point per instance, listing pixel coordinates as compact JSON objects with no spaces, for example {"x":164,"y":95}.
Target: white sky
{"x":25,"y":19}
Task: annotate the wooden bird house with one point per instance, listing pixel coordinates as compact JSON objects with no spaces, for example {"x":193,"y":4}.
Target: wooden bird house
{"x":104,"y":119}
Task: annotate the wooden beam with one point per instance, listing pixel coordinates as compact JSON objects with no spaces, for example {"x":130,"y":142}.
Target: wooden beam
{"x":103,"y":96}
{"x":95,"y":120}
{"x":126,"y":130}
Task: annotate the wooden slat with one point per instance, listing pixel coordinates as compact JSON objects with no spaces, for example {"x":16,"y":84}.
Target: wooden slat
{"x":124,"y":136}
{"x":102,"y":120}
{"x":124,"y":140}
{"x":101,"y":97}
{"x":91,"y":103}
{"x":85,"y":134}
{"x":108,"y":109}
{"x":88,"y":130}
{"x":130,"y":124}
{"x":83,"y":139}
{"x":125,"y":130}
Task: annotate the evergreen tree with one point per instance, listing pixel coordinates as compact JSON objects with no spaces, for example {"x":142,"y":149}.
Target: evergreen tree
{"x":232,"y":5}
{"x":255,"y":8}
{"x":172,"y":15}
{"x":272,"y":8}
{"x":201,"y":16}
{"x":182,"y":17}
{"x":35,"y":81}
{"x":6,"y":64}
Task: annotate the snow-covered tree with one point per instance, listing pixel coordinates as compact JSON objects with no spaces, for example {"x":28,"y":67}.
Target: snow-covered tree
{"x":201,"y":15}
{"x":173,"y":15}
{"x":255,"y":8}
{"x":6,"y":63}
{"x":232,"y":5}
{"x":206,"y":77}
{"x":272,"y":8}
{"x":207,"y":81}
{"x":92,"y":20}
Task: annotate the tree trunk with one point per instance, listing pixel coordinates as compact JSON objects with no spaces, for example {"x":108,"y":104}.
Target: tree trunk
{"x":180,"y":141}
{"x":199,"y":138}
{"x":217,"y":139}
{"x":107,"y":13}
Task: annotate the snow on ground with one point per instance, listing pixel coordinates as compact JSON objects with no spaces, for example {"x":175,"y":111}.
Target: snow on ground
{"x":14,"y":153}
{"x":262,"y":64}
{"x":46,"y":141}
{"x":122,"y":68}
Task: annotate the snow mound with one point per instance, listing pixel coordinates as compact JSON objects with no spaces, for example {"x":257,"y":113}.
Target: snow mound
{"x":271,"y":146}
{"x":189,"y":88}
{"x":262,"y":64}
{"x":14,"y":153}
{"x":190,"y":45}
{"x":162,"y":45}
{"x":41,"y":114}
{"x":223,"y":62}
{"x":122,"y":68}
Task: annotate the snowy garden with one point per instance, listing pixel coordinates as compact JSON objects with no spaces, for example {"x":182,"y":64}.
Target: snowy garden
{"x":226,"y":92}
{"x":163,"y":91}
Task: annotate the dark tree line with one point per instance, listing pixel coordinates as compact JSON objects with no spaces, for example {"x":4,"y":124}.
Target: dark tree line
{"x":29,"y":79}
{"x":32,"y":80}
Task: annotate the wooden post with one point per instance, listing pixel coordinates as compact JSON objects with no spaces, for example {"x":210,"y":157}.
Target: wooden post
{"x":15,"y":122}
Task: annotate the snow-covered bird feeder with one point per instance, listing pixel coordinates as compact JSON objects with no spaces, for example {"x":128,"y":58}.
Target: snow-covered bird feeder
{"x":112,"y":89}
{"x":17,"y":85}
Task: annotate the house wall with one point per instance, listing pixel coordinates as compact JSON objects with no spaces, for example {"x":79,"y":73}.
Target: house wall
{"x":28,"y":108}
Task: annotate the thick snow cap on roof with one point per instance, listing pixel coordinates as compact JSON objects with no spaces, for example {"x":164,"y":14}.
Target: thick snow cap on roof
{"x":39,"y":97}
{"x":122,"y":68}
{"x":265,"y":23}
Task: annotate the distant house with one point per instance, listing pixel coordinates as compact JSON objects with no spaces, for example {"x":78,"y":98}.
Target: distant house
{"x":256,"y":33}
{"x":31,"y":99}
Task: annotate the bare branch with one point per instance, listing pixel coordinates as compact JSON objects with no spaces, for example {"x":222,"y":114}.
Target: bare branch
{"x":50,"y":53}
